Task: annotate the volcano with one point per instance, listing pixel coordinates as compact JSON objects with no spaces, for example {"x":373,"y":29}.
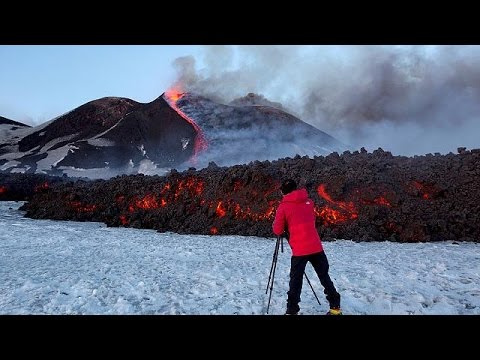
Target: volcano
{"x":112,"y":136}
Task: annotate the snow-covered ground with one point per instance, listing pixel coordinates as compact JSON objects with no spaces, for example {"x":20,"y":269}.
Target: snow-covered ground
{"x":58,"y":267}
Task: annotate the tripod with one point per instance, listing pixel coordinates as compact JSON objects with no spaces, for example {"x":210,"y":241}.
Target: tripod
{"x":272,"y":272}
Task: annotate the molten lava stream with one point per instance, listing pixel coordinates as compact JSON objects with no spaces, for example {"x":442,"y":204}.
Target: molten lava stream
{"x":200,"y":142}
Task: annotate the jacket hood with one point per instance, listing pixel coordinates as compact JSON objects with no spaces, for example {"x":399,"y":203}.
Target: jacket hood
{"x":299,"y":195}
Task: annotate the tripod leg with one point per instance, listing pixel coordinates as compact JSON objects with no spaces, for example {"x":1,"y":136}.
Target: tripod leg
{"x":271,"y":287}
{"x":275,"y":253}
{"x":274,"y":265}
{"x":311,"y":287}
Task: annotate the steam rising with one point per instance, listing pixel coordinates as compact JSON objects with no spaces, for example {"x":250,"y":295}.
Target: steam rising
{"x":405,"y":99}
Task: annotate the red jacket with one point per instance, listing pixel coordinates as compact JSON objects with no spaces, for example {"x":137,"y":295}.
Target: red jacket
{"x":295,"y":215}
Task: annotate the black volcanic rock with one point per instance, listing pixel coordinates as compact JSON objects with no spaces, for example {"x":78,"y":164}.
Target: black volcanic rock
{"x":252,"y":99}
{"x":84,"y":122}
{"x":20,"y":187}
{"x":360,"y":196}
{"x":153,"y":131}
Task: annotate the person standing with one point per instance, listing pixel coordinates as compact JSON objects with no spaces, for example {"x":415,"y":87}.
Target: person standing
{"x":295,"y":216}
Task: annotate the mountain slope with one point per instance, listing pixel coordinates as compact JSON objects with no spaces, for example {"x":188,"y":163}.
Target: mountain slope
{"x":242,"y":133}
{"x":102,"y":138}
{"x":5,"y":121}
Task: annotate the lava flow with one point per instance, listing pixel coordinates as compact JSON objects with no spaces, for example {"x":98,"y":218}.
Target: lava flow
{"x":193,"y":188}
{"x":411,"y":200}
{"x":200,"y":143}
{"x":332,"y":216}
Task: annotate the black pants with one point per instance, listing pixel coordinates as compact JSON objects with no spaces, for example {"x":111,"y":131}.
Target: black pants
{"x":320,"y":264}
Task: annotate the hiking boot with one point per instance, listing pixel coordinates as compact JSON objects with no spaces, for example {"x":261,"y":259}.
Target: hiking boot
{"x":334,"y":311}
{"x":292,"y":309}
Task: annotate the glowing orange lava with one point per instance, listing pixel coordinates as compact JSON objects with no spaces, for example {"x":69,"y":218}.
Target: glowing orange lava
{"x":231,"y":206}
{"x":123,"y":220}
{"x":194,"y":187}
{"x":220,"y":211}
{"x":348,"y":206}
{"x":382,"y":201}
{"x":425,"y":190}
{"x":332,"y":216}
{"x":200,"y":144}
{"x":173,"y":95}
{"x":40,"y":187}
{"x":80,"y":207}
{"x":148,"y":202}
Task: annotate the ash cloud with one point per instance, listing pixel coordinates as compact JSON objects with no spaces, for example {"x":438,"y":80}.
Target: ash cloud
{"x":405,"y":99}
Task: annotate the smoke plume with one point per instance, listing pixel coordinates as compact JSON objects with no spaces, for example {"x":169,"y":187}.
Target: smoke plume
{"x":405,"y":99}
